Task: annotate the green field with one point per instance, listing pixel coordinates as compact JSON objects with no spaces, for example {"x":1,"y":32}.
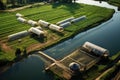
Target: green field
{"x":115,"y":2}
{"x":51,"y":13}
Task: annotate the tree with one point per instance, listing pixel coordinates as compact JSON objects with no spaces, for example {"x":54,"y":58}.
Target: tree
{"x":2,"y":6}
{"x":17,"y":52}
{"x":25,"y":51}
{"x":13,"y":2}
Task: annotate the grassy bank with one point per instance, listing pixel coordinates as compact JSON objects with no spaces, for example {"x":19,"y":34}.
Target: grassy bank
{"x":102,"y":66}
{"x":112,"y":72}
{"x":51,"y":13}
{"x":113,"y":2}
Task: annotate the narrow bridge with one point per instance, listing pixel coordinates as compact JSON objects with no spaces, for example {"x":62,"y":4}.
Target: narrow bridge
{"x":56,"y":66}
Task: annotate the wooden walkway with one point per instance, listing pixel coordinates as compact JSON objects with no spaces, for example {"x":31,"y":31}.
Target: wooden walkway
{"x":57,"y":67}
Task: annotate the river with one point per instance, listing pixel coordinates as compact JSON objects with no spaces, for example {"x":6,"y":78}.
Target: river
{"x":105,"y":35}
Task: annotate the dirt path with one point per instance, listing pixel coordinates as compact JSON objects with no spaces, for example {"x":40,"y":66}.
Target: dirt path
{"x":5,"y":47}
{"x":20,"y":8}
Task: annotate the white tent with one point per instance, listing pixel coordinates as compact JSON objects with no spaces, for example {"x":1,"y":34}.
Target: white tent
{"x":19,"y":15}
{"x":18,"y":35}
{"x":66,"y":24}
{"x":64,"y":21}
{"x":32,"y":23}
{"x":55,"y":27}
{"x":21,"y":19}
{"x":36,"y":31}
{"x":78,"y":19}
{"x":43,"y":23}
{"x":96,"y":49}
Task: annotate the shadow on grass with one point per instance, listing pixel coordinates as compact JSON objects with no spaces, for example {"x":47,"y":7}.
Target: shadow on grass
{"x":58,"y":33}
{"x":40,"y":38}
{"x":71,"y":7}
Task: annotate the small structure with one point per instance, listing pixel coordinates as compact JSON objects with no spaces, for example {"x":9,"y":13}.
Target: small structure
{"x":21,"y":19}
{"x":96,"y":49}
{"x":74,"y":66}
{"x":32,"y":23}
{"x":78,"y":19}
{"x":66,"y":24}
{"x":36,"y":31}
{"x":43,"y":23}
{"x":56,"y":28}
{"x":19,"y":15}
{"x":18,"y":35}
{"x":64,"y":21}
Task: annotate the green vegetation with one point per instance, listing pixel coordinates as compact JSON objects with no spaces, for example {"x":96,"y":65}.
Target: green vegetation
{"x":101,"y":67}
{"x":115,"y":2}
{"x":51,"y":13}
{"x":112,"y":72}
{"x":6,"y":56}
{"x":6,"y":4}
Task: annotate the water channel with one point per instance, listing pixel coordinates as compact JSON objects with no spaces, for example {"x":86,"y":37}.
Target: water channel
{"x":106,"y":35}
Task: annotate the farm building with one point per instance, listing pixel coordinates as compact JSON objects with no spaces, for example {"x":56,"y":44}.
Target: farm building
{"x":19,"y":15}
{"x":96,"y":49}
{"x":32,"y":23}
{"x":43,"y":23}
{"x":66,"y":24}
{"x":36,"y":31}
{"x":21,"y":19}
{"x":78,"y":19}
{"x":64,"y":21}
{"x":18,"y":35}
{"x":55,"y":27}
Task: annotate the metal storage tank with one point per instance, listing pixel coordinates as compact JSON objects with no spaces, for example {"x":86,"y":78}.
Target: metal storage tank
{"x":19,"y":15}
{"x":96,"y":49}
{"x":78,"y":19}
{"x":18,"y":35}
{"x":56,"y":28}
{"x":74,"y":66}
{"x":21,"y":19}
{"x":66,"y":24}
{"x":36,"y":31}
{"x":43,"y":23}
{"x":32,"y":23}
{"x":66,"y":20}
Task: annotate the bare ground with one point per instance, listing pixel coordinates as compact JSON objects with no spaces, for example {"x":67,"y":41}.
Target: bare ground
{"x":5,"y":47}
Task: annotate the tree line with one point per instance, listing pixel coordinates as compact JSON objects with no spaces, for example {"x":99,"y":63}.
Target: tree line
{"x":17,"y":3}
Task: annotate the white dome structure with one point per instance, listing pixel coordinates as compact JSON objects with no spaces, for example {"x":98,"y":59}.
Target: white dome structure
{"x":74,"y":66}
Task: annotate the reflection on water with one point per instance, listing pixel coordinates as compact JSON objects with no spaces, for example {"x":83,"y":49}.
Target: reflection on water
{"x":29,"y":69}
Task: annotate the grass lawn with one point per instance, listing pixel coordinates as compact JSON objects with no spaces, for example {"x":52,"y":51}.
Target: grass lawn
{"x":115,"y":2}
{"x":99,"y":68}
{"x":51,"y":13}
